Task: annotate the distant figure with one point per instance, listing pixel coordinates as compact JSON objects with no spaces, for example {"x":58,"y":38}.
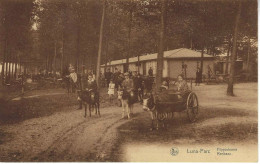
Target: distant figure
{"x":120,"y":79}
{"x":198,"y":77}
{"x":148,"y":84}
{"x":127,"y":97}
{"x":84,"y":80}
{"x":108,"y":76}
{"x":71,"y":67}
{"x":130,"y":74}
{"x":116,"y":78}
{"x":138,"y":87}
{"x":111,"y":91}
{"x":75,"y":83}
{"x":164,"y":86}
{"x":150,"y":72}
{"x":209,"y":71}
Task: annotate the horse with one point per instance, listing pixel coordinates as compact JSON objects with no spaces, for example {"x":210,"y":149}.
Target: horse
{"x":91,"y":99}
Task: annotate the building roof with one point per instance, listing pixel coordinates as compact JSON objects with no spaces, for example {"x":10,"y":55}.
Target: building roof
{"x":171,"y":54}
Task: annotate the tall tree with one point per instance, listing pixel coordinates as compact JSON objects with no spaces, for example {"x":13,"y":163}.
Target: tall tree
{"x":228,"y":52}
{"x":100,"y":42}
{"x":234,"y":52}
{"x":161,"y":46}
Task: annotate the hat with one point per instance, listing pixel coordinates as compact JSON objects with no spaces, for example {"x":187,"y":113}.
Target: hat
{"x":126,"y":74}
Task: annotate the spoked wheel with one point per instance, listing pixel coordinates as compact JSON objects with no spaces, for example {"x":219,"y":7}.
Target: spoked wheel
{"x":192,"y":107}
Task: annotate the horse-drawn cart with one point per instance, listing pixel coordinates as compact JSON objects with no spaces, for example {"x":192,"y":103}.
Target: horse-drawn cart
{"x":164,"y":104}
{"x":178,"y":102}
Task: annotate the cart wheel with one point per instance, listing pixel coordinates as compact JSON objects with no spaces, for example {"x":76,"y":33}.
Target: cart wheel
{"x":192,"y":107}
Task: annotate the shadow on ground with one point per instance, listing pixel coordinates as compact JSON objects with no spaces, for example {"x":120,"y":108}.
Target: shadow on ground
{"x":212,"y":126}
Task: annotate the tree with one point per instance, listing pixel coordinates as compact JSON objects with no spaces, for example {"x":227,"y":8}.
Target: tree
{"x":16,"y":34}
{"x":161,"y":47}
{"x":100,"y":42}
{"x":234,"y":52}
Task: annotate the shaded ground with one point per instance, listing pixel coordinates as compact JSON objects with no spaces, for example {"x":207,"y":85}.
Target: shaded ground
{"x":222,"y":120}
{"x":34,"y":104}
{"x":58,"y":132}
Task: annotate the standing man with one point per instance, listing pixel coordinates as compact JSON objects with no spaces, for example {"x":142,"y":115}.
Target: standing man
{"x":198,"y":77}
{"x":108,"y":76}
{"x":136,"y":87}
{"x":140,"y":87}
{"x":128,"y":86}
{"x":73,"y":79}
{"x":116,"y":77}
{"x":148,"y":83}
{"x":150,"y":72}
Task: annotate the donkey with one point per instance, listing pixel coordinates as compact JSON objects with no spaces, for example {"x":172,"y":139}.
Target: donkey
{"x":159,"y":112}
{"x":127,"y":100}
{"x":90,"y":99}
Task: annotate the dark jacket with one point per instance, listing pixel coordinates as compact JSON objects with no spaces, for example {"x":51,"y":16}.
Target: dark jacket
{"x":198,"y":77}
{"x":138,"y":83}
{"x":92,"y":85}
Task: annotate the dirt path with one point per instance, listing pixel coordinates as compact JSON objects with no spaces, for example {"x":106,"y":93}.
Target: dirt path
{"x":223,"y":122}
{"x":63,"y":137}
{"x":68,"y":136}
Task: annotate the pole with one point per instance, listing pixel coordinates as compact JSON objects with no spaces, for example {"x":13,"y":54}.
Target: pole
{"x":161,"y":48}
{"x":100,"y":43}
{"x":234,"y":51}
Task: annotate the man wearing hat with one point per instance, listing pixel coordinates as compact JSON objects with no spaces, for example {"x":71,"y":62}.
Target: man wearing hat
{"x":128,"y":86}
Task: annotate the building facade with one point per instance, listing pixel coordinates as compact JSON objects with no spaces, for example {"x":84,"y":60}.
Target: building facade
{"x":176,"y":61}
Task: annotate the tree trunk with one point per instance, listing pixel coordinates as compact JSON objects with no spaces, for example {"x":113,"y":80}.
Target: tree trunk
{"x":191,"y":43}
{"x":233,"y":54}
{"x":20,"y":71}
{"x":248,"y":55}
{"x":6,"y":67}
{"x":3,"y":70}
{"x":227,"y":60}
{"x":248,"y":61}
{"x":62,"y":55}
{"x":47,"y":63}
{"x":138,"y":63}
{"x":78,"y":48}
{"x":4,"y":63}
{"x":106,"y":54}
{"x":100,"y":43}
{"x":201,"y":61}
{"x":15,"y":68}
{"x":161,"y":47}
{"x":129,"y":35}
{"x":9,"y":66}
{"x":54,"y":59}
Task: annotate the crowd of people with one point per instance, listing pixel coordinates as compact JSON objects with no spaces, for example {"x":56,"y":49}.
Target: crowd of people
{"x":131,"y":81}
{"x":131,"y":85}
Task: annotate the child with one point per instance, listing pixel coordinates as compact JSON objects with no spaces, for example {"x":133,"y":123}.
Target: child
{"x":164,"y":86}
{"x":111,"y":90}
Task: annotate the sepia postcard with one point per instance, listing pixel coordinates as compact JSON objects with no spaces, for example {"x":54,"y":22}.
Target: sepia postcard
{"x":128,"y":81}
